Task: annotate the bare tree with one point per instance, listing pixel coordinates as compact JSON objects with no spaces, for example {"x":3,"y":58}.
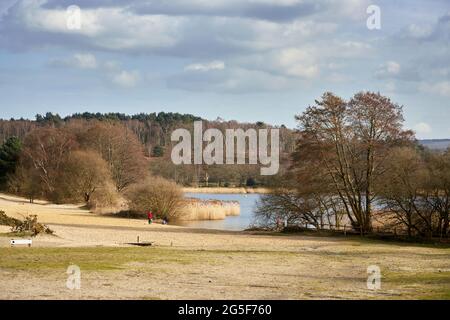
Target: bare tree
{"x":121,"y":149}
{"x":402,"y":192}
{"x":438,"y":189}
{"x":44,"y":151}
{"x":81,"y":175}
{"x":349,"y":142}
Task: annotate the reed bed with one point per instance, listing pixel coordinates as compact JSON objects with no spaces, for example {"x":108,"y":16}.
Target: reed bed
{"x":195,"y":209}
{"x":230,"y":190}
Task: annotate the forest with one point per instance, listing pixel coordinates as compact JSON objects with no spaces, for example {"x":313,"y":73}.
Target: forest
{"x":153,"y":131}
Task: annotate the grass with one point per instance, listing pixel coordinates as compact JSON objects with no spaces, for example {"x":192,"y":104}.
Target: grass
{"x":305,"y":271}
{"x":209,"y":210}
{"x":97,"y":258}
{"x":433,"y":285}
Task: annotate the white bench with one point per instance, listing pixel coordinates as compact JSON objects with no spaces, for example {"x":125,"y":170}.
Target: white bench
{"x":21,"y":241}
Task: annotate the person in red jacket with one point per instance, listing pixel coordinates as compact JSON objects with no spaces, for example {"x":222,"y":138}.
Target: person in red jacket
{"x":150,"y":217}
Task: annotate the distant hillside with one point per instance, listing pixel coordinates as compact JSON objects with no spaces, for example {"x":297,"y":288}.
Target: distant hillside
{"x":436,"y":144}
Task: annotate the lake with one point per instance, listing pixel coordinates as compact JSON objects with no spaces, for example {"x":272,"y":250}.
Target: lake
{"x":236,"y":223}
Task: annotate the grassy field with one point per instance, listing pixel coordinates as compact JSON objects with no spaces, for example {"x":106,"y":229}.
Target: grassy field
{"x":171,"y":273}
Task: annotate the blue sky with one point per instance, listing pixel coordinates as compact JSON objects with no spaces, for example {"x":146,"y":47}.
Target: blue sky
{"x":249,"y":60}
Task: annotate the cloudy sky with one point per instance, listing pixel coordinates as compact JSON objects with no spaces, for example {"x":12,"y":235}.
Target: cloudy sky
{"x":249,"y":60}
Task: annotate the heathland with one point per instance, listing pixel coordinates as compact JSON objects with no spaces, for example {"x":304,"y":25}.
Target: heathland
{"x":188,"y":263}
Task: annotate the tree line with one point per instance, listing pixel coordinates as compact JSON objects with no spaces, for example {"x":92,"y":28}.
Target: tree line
{"x":153,"y":131}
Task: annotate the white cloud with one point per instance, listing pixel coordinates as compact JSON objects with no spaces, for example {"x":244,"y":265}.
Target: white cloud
{"x":109,"y":28}
{"x":308,"y":28}
{"x":419,"y":31}
{"x":296,"y":62}
{"x":443,"y":71}
{"x":293,"y":40}
{"x":213,"y":65}
{"x":441,"y":88}
{"x":230,"y":80}
{"x":85,"y":60}
{"x":126,"y":79}
{"x":423,"y":128}
{"x":393,"y":67}
{"x":110,"y":69}
{"x":390,"y":68}
{"x":77,"y":60}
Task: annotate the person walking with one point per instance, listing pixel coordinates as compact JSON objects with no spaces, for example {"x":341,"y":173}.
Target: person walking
{"x":150,"y":217}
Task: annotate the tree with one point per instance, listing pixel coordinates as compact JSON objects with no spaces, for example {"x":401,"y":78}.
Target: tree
{"x":26,"y":182}
{"x":82,"y":174}
{"x":9,"y":157}
{"x":158,"y":151}
{"x":303,"y":198}
{"x":438,"y":190}
{"x":44,"y":152}
{"x":349,"y":141}
{"x":415,"y":191}
{"x":402,"y":191}
{"x":120,"y":148}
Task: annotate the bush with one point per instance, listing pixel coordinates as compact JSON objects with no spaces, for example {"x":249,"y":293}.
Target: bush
{"x":251,"y":182}
{"x":8,"y":221}
{"x":29,"y":225}
{"x":105,"y":198}
{"x":162,"y":197}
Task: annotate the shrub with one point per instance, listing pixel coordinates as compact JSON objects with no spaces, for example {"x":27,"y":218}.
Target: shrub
{"x":105,"y":198}
{"x":31,"y":225}
{"x":251,"y":182}
{"x":8,"y":221}
{"x":162,"y":197}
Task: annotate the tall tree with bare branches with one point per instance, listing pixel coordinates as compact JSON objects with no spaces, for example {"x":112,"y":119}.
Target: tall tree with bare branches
{"x":349,"y":142}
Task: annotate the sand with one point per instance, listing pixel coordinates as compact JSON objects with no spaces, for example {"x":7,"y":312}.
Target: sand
{"x":187,"y":263}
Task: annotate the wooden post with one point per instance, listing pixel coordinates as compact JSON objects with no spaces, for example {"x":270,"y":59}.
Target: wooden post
{"x":137,"y":239}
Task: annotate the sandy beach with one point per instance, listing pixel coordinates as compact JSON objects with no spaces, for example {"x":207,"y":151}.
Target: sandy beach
{"x":205,"y":264}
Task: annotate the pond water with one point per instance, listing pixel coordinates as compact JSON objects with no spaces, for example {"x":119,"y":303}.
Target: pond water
{"x":235,"y":223}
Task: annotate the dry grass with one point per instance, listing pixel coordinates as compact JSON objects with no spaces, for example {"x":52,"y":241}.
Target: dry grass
{"x":313,"y":269}
{"x":209,"y":210}
{"x":207,"y":264}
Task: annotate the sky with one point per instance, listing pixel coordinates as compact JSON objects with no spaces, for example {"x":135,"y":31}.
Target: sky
{"x":245,"y":60}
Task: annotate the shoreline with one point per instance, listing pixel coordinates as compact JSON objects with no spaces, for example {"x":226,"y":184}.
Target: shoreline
{"x":225,"y":190}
